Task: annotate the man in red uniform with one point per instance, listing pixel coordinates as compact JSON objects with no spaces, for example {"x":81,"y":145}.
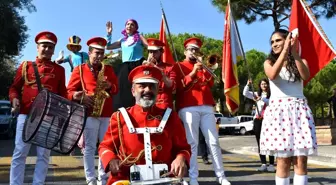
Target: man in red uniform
{"x":22,"y":94}
{"x":121,"y":149}
{"x":167,"y":86}
{"x":195,"y":103}
{"x":93,"y":84}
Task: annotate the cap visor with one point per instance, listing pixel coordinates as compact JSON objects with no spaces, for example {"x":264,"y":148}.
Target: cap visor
{"x":145,"y":80}
{"x":192,"y":46}
{"x":45,"y":40}
{"x":153,"y":48}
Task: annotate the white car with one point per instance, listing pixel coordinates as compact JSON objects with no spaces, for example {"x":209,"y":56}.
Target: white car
{"x":243,"y":123}
{"x":7,"y":121}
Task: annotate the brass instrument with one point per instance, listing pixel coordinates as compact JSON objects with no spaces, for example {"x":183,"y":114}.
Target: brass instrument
{"x":100,"y":94}
{"x":211,"y":65}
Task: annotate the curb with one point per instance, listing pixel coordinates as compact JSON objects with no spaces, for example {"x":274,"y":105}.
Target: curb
{"x":316,"y":160}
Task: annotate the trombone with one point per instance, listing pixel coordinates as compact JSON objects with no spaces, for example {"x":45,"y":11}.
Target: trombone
{"x":211,"y":65}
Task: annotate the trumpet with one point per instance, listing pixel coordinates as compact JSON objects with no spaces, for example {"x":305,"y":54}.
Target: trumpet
{"x":211,"y":65}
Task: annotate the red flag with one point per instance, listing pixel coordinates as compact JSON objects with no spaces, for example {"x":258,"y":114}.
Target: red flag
{"x":232,"y":52}
{"x":167,"y":56}
{"x":314,"y":44}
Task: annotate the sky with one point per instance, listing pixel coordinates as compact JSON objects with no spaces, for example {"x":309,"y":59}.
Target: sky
{"x":87,"y":19}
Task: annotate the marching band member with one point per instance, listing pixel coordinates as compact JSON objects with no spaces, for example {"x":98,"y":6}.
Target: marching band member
{"x":22,"y":93}
{"x":93,"y":84}
{"x":120,"y":149}
{"x":195,"y":102}
{"x":76,"y":57}
{"x":132,"y":47}
{"x":167,"y":86}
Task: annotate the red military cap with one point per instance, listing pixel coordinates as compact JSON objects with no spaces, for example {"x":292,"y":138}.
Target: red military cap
{"x":193,"y":42}
{"x":145,"y":74}
{"x":154,"y":44}
{"x":97,"y":42}
{"x":46,"y":36}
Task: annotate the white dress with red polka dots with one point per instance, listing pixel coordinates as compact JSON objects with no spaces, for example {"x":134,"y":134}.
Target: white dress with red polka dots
{"x":288,"y":126}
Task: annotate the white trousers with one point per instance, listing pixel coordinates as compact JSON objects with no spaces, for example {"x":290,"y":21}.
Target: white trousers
{"x":202,"y":117}
{"x":19,"y":158}
{"x":95,"y":129}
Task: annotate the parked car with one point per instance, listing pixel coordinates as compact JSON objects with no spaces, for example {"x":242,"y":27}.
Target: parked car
{"x":7,"y":120}
{"x":242,"y":124}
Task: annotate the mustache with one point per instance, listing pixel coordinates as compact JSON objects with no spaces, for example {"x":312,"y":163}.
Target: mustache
{"x":147,"y":94}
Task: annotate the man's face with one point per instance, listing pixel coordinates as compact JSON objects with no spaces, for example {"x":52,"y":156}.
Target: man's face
{"x":190,"y":51}
{"x":145,"y":94}
{"x":96,"y":56}
{"x":45,"y":50}
{"x":335,"y":92}
{"x":156,"y":54}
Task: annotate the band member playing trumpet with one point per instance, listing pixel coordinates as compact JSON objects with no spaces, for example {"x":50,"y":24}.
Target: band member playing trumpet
{"x":22,"y":94}
{"x":167,"y":86}
{"x":195,"y":102}
{"x":120,"y":148}
{"x":92,"y":84}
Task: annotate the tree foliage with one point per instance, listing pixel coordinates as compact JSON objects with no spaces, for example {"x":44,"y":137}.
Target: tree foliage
{"x":13,"y":37}
{"x":277,"y":10}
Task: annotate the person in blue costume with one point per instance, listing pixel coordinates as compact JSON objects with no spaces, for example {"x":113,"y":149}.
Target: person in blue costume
{"x":132,"y":49}
{"x":76,"y":57}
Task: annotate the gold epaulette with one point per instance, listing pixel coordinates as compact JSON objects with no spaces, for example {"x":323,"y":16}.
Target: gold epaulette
{"x":25,"y":75}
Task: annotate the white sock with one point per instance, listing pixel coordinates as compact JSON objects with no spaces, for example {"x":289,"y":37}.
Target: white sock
{"x":300,"y":179}
{"x":281,"y":181}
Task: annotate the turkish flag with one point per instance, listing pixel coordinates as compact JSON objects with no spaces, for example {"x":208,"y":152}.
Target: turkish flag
{"x":314,"y":45}
{"x":167,"y":56}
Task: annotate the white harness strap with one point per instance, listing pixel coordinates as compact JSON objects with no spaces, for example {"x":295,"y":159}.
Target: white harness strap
{"x":127,"y":120}
{"x":159,"y":129}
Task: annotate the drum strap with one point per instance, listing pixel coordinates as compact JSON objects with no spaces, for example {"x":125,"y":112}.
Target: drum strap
{"x":37,"y":77}
{"x":131,"y":128}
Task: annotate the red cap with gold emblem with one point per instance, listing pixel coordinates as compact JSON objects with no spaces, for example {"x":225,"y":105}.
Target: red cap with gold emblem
{"x":46,"y":36}
{"x":97,"y":42}
{"x":145,"y":74}
{"x":155,"y":44}
{"x":193,"y":42}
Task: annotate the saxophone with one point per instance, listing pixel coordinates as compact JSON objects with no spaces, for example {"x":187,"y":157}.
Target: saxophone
{"x":100,"y":94}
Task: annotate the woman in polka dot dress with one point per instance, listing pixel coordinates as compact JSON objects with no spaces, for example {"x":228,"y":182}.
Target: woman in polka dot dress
{"x":288,"y":130}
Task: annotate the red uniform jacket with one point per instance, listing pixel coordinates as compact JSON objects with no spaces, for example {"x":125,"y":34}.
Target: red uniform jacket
{"x":25,"y":88}
{"x":82,"y":79}
{"x":165,"y":96}
{"x":193,"y":91}
{"x":172,"y":139}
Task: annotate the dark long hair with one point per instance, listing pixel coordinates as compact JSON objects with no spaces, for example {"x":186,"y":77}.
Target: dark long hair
{"x":268,"y":88}
{"x":291,"y":66}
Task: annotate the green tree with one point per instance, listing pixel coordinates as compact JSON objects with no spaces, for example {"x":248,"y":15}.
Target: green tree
{"x":277,"y":10}
{"x":319,"y":89}
{"x":13,"y":37}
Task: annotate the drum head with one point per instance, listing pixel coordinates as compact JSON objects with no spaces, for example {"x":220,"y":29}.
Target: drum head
{"x":162,"y":181}
{"x":35,"y":116}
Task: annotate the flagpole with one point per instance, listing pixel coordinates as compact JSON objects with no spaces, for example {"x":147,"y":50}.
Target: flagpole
{"x":169,"y":35}
{"x":244,"y":57}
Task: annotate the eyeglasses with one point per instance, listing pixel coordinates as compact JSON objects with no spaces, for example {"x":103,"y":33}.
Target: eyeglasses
{"x":193,"y":49}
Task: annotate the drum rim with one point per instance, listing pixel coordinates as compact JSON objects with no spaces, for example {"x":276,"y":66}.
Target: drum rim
{"x":79,"y":135}
{"x":40,"y":122}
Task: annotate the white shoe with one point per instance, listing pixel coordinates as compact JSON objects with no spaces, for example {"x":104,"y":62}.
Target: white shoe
{"x":270,"y":168}
{"x":193,"y":182}
{"x":94,"y":182}
{"x":223,"y":181}
{"x":262,"y":168}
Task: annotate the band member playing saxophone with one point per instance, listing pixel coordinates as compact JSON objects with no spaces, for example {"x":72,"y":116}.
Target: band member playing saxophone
{"x":92,"y":84}
{"x":167,"y":86}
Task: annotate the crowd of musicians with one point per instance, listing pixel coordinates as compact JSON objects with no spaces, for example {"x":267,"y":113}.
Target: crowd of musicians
{"x":139,"y":91}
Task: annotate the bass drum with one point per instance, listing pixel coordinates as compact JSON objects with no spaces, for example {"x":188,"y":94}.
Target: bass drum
{"x":54,"y":123}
